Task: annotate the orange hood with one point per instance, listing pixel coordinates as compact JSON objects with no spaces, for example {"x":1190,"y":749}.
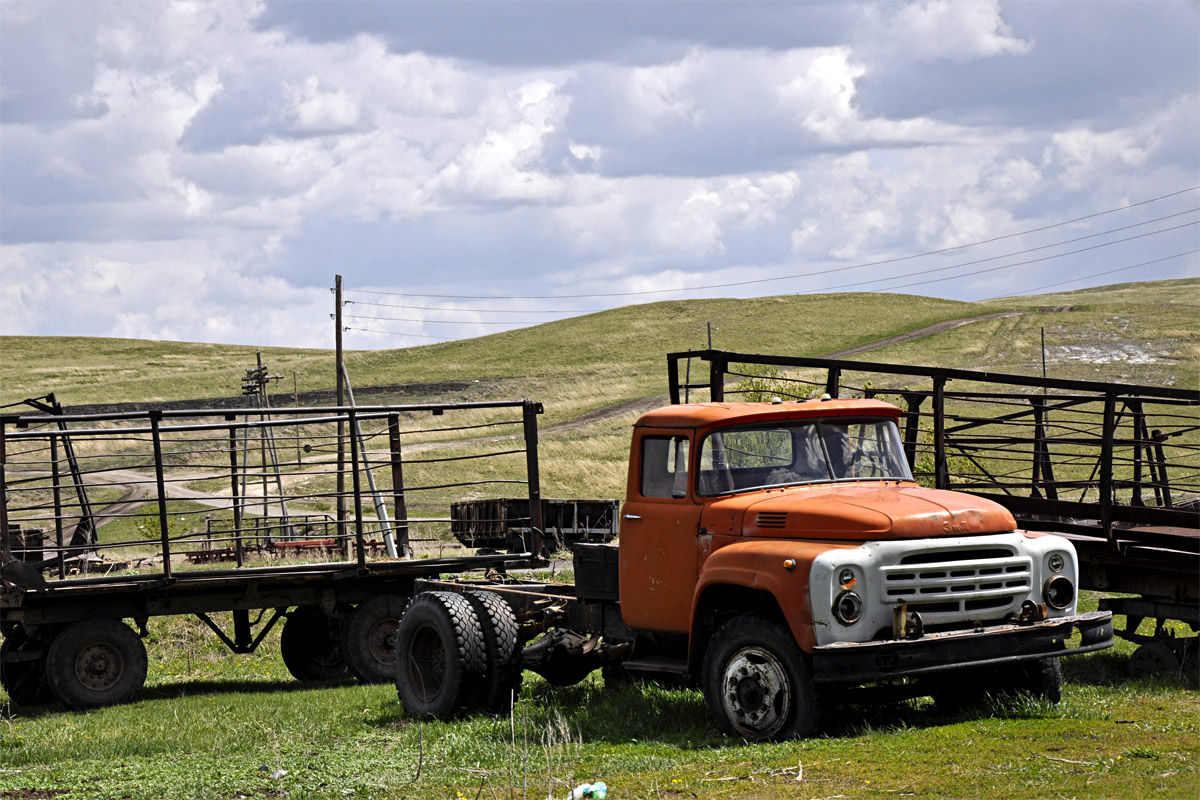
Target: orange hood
{"x":855,"y":512}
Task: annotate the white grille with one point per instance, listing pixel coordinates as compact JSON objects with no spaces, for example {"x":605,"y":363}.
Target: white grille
{"x":948,"y":584}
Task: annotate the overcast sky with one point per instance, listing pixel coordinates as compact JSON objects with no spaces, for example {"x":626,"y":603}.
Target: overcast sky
{"x":200,"y":171}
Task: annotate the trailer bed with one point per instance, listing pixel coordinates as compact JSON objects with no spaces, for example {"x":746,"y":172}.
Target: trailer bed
{"x":176,"y":490}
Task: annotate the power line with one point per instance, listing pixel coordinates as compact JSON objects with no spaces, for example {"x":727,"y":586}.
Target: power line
{"x":993,"y":269}
{"x":1096,"y":275}
{"x":451,"y":321}
{"x":828,"y":271}
{"x":989,"y":269}
{"x":853,"y":284}
{"x":480,"y":310}
{"x":907,"y":274}
{"x":396,"y":333}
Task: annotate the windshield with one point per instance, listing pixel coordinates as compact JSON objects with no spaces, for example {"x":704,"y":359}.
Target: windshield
{"x":738,"y":459}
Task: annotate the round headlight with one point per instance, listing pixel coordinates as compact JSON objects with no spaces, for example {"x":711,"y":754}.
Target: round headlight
{"x":1057,"y":562}
{"x":1059,"y":592}
{"x":846,"y":577}
{"x":847,"y":608}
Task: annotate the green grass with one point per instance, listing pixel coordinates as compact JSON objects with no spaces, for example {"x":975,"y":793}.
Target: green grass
{"x":206,"y":733}
{"x":209,"y":721}
{"x":214,"y":724}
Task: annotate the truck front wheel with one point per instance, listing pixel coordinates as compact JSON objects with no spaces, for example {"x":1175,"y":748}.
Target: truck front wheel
{"x":757,"y":681}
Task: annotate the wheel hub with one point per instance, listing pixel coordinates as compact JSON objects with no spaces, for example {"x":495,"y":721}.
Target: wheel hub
{"x":382,"y":641}
{"x":428,"y":658}
{"x":99,"y":667}
{"x":757,"y":697}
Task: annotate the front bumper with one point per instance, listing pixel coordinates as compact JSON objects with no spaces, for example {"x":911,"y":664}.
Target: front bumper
{"x":860,"y":662}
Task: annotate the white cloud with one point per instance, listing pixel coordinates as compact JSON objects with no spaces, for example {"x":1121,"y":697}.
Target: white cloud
{"x":662,"y":90}
{"x":821,"y":99}
{"x":503,"y":163}
{"x":1081,"y":153}
{"x":183,"y":290}
{"x":950,"y":30}
{"x":321,"y":111}
{"x":201,"y":164}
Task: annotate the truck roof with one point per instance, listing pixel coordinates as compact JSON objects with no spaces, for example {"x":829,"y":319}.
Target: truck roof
{"x":699,"y":415}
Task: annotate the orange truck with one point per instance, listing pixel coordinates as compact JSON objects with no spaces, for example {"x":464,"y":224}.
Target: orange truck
{"x":781,"y":557}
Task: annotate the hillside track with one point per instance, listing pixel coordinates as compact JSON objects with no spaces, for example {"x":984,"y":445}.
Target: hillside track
{"x":920,"y":333}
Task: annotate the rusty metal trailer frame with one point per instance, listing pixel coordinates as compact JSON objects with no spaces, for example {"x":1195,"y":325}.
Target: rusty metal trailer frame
{"x":36,"y":612}
{"x":505,"y":522}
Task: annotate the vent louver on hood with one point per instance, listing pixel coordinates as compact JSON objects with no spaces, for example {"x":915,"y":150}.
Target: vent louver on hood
{"x":772,"y":519}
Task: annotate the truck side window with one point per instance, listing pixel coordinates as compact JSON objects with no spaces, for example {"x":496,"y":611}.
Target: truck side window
{"x":664,"y":466}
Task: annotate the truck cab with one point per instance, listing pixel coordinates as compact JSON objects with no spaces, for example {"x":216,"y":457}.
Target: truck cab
{"x":781,"y":553}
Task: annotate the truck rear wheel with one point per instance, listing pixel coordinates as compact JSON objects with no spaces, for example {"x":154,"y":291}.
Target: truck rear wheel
{"x":311,"y":647}
{"x":440,"y":653}
{"x":757,"y":682}
{"x":369,"y":638}
{"x":96,"y":662}
{"x":502,"y":642}
{"x":23,"y":670}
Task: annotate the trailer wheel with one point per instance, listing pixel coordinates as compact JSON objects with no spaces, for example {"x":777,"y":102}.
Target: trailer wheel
{"x":1153,"y":658}
{"x":502,"y":643}
{"x":369,"y":638}
{"x":440,"y":653}
{"x":310,"y":646}
{"x":23,"y":670}
{"x":96,"y":662}
{"x":757,"y":681}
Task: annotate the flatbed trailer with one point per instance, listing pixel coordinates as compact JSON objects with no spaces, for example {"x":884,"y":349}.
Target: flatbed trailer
{"x":270,"y":480}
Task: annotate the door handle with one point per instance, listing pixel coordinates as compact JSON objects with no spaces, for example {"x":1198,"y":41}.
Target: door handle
{"x":630,"y":516}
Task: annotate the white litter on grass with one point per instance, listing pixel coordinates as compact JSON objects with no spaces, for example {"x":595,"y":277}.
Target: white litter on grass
{"x":1115,"y":353}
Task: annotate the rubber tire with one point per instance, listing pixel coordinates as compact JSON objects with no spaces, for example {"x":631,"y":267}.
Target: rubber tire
{"x":1042,"y":679}
{"x":441,"y":657}
{"x":1154,"y":658}
{"x":502,"y":642}
{"x":369,"y":638}
{"x":616,"y":676}
{"x":310,"y":647}
{"x":753,"y":645}
{"x":96,"y":662}
{"x":24,"y":681}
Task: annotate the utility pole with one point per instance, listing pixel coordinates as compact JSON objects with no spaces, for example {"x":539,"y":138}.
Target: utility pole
{"x":255,"y":385}
{"x":341,"y":426}
{"x":1044,"y":389}
{"x":296,"y":428}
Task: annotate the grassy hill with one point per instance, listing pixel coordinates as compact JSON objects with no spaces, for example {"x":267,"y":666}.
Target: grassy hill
{"x":1140,"y":332}
{"x":1145,"y":332}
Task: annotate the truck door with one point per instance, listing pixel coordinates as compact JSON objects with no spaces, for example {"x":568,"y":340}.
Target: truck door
{"x":660,"y":522}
